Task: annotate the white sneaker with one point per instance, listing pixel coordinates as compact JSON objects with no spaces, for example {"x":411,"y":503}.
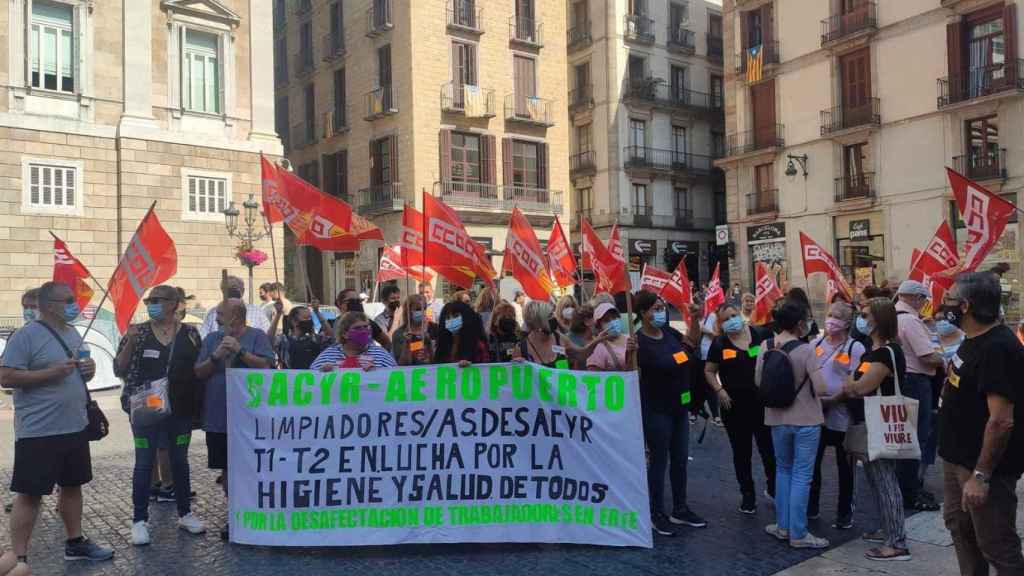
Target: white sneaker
{"x":140,"y":533}
{"x":809,"y":541}
{"x":191,"y":524}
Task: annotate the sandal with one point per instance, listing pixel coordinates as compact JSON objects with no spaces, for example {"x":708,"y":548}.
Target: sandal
{"x":876,"y":537}
{"x":886,"y":554}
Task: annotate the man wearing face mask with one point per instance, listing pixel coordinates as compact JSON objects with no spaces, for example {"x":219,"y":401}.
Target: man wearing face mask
{"x":981,"y":438}
{"x":30,"y":305}
{"x":391,"y":295}
{"x":235,"y":345}
{"x":234,"y":287}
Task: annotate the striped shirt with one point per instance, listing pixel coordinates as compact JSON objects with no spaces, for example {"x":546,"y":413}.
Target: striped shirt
{"x":335,"y":355}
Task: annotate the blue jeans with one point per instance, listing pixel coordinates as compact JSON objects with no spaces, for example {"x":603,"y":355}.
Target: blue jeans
{"x":668,"y":439}
{"x":175,"y":433}
{"x":796,"y":449}
{"x":918,"y":387}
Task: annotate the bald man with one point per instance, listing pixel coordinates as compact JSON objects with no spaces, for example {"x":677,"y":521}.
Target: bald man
{"x":234,"y":287}
{"x":235,"y":345}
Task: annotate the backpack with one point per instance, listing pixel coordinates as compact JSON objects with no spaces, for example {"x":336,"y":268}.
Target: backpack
{"x":778,"y":378}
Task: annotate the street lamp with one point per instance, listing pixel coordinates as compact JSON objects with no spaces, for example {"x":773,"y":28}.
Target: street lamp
{"x":255,"y":228}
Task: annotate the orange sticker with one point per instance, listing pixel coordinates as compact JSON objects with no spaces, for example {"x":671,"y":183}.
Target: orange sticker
{"x":680,"y":357}
{"x":416,"y":346}
{"x":864,"y":366}
{"x":728,"y":354}
{"x":843,"y":358}
{"x":819,"y":351}
{"x":154,"y":401}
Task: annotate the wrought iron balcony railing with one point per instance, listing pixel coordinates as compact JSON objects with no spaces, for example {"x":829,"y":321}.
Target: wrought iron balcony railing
{"x":381,"y":102}
{"x":480,"y":196}
{"x":639,"y":28}
{"x":863,"y":17}
{"x":763,"y":201}
{"x":982,"y":164}
{"x":839,"y":118}
{"x":981,"y":81}
{"x":529,"y":110}
{"x":464,"y":15}
{"x":381,"y":198}
{"x":771,"y":136}
{"x":855,"y":187}
{"x":468,"y":100}
{"x":526,"y":31}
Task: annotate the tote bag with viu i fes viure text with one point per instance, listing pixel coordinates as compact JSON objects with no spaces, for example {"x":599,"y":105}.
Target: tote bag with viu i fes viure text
{"x":891,"y":423}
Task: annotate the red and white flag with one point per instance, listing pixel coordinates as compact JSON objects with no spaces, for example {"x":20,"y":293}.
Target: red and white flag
{"x":937,"y":265}
{"x":654,"y":279}
{"x":817,"y":259}
{"x":677,"y":291}
{"x":391,"y":267}
{"x":715,"y":296}
{"x":68,"y":270}
{"x":150,"y":259}
{"x":615,"y":246}
{"x":768,"y":292}
{"x":449,"y":249}
{"x":609,"y":270}
{"x":561,"y":262}
{"x":525,"y":259}
{"x":985,"y":216}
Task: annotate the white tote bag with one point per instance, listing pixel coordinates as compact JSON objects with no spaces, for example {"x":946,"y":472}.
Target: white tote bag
{"x":892,"y":423}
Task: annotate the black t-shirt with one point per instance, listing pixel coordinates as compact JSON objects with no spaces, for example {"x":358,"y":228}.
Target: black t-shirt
{"x":983,"y":365}
{"x":155,"y":355}
{"x":735,"y":365}
{"x":298,"y":353}
{"x":501,"y":346}
{"x":888,"y":386}
{"x":666,"y":373}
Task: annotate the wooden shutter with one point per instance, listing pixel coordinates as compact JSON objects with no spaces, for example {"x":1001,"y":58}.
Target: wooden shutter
{"x":342,"y":160}
{"x":763,"y":97}
{"x":393,"y":143}
{"x":744,"y":33}
{"x":1010,"y":36}
{"x":445,"y":156}
{"x":506,"y":161}
{"x":330,"y":168}
{"x":954,"y":47}
{"x":767,"y":28}
{"x":488,"y":154}
{"x":542,"y":165}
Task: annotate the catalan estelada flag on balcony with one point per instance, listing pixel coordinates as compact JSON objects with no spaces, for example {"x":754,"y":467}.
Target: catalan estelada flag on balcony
{"x":755,"y":63}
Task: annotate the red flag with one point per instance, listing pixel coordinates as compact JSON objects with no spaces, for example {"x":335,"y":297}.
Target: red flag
{"x":482,"y":266}
{"x":715,"y":296}
{"x":817,"y":259}
{"x":985,"y":215}
{"x":411,"y":241}
{"x":316,"y":219}
{"x":149,"y":259}
{"x":68,"y":270}
{"x":449,"y":249}
{"x":768,"y":292}
{"x":525,"y":259}
{"x":915,"y":274}
{"x":677,"y":291}
{"x":391,"y":267}
{"x":937,"y":265}
{"x":654,"y":279}
{"x":560,"y":260}
{"x":609,"y":270}
{"x":615,"y":246}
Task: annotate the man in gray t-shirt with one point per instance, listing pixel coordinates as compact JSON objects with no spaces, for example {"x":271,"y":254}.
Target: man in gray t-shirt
{"x":43,"y":365}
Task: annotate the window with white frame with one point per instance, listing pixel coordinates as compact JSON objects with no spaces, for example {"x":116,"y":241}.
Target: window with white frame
{"x":201,"y":72}
{"x":51,"y":186}
{"x":52,"y":46}
{"x":205,"y":195}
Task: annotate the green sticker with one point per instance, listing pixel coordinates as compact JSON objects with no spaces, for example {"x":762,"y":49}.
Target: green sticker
{"x":684,"y":398}
{"x":562,"y":364}
{"x":753,"y":351}
{"x":142,"y":443}
{"x":183,"y":440}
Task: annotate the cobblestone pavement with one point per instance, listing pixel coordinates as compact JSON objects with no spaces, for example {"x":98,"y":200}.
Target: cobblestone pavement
{"x":732,"y":544}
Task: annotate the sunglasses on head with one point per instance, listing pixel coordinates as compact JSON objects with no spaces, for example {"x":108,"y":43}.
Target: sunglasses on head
{"x":156,"y":300}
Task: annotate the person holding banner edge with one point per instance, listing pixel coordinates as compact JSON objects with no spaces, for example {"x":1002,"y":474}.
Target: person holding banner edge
{"x":355,"y":346}
{"x":413,"y":342}
{"x":461,"y":338}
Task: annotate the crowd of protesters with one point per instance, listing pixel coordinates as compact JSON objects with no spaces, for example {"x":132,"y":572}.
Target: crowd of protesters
{"x":957,"y":362}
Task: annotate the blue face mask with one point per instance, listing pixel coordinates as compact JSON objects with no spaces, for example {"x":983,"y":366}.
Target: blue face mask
{"x":453,"y":324}
{"x":863,"y":326}
{"x":71,"y":311}
{"x":660,"y":318}
{"x":417,"y":316}
{"x":945,"y":327}
{"x":30,"y":314}
{"x":733,"y":325}
{"x":155,"y":311}
{"x":614,"y":327}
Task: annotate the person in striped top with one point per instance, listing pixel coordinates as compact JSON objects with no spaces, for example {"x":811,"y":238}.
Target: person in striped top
{"x":355,"y":347}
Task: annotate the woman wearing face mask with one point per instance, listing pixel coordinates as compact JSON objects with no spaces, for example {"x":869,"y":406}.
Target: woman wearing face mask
{"x":355,"y":347}
{"x":565,"y":310}
{"x":461,"y":338}
{"x":484,"y":306}
{"x":413,"y":342}
{"x":541,"y":345}
{"x":298,"y":348}
{"x":838,"y":355}
{"x":667,"y":362}
{"x":504,"y":333}
{"x":612,"y":352}
{"x":729,"y":372}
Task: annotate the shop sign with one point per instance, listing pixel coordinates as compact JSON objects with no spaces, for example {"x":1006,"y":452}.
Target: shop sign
{"x":638,"y":246}
{"x":766,"y":232}
{"x":860,"y":229}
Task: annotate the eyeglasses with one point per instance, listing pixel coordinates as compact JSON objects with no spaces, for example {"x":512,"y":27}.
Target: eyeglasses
{"x":68,"y":300}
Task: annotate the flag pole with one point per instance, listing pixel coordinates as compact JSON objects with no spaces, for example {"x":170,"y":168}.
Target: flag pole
{"x":273,"y":249}
{"x":91,"y":277}
{"x":425,"y":242}
{"x":630,"y":357}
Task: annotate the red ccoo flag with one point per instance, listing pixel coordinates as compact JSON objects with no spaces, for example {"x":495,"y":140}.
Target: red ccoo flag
{"x":560,"y":259}
{"x":654,"y":279}
{"x":985,"y":216}
{"x":938,"y":263}
{"x":817,"y":259}
{"x":715,"y":296}
{"x":608,"y":269}
{"x":449,"y":249}
{"x":68,"y":270}
{"x":768,"y":292}
{"x":149,"y":259}
{"x":525,"y":259}
{"x":677,"y":291}
{"x":391,"y":267}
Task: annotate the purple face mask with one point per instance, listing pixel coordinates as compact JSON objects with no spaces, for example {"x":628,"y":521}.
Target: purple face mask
{"x":359,"y":337}
{"x":834,"y":325}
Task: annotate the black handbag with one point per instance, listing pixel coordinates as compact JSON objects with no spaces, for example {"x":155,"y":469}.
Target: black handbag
{"x":98,"y":426}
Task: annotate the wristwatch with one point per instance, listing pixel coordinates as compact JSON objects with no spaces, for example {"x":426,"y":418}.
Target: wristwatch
{"x":982,"y":477}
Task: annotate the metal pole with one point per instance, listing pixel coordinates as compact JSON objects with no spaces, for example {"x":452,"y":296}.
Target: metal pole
{"x":250,"y":284}
{"x":88,"y":327}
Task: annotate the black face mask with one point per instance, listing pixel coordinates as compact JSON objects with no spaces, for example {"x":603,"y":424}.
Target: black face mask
{"x":953,"y":314}
{"x":507,"y":326}
{"x":233,"y":293}
{"x":354,"y":305}
{"x":393,"y":306}
{"x":305,"y":326}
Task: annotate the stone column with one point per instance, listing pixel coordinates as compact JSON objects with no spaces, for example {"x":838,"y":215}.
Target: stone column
{"x":261,"y":70}
{"x":138,"y":64}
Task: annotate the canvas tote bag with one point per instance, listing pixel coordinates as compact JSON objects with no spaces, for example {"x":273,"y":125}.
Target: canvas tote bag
{"x":891,"y":423}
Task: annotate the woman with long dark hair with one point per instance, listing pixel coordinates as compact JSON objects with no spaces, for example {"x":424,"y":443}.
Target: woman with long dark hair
{"x":461,"y":336}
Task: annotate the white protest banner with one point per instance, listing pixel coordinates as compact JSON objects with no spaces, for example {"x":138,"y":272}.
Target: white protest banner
{"x":435,"y":454}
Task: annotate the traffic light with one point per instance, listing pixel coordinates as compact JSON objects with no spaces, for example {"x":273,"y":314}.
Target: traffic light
{"x":730,"y":249}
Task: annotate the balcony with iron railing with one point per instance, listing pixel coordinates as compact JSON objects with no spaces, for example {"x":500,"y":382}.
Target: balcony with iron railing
{"x":334,"y":45}
{"x":684,"y":218}
{"x":980,"y":82}
{"x":526,"y":31}
{"x":756,"y":140}
{"x":639,"y":29}
{"x":656,"y":92}
{"x":380,"y":199}
{"x":465,"y":16}
{"x":381,"y":102}
{"x":842,"y":118}
{"x":335,"y":122}
{"x":378,"y":18}
{"x":580,"y":98}
{"x":769,"y":54}
{"x":681,"y":40}
{"x":529,"y":110}
{"x":578,"y":37}
{"x":982,"y":164}
{"x":494,"y":197}
{"x":715,"y":47}
{"x":763,"y":201}
{"x":582,"y":164}
{"x":304,"y":65}
{"x":859,"y":21}
{"x":468,"y":100}
{"x":855,"y":187}
{"x":656,"y":160}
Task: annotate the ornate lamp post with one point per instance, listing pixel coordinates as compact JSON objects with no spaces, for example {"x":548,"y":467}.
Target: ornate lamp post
{"x":254,"y":228}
